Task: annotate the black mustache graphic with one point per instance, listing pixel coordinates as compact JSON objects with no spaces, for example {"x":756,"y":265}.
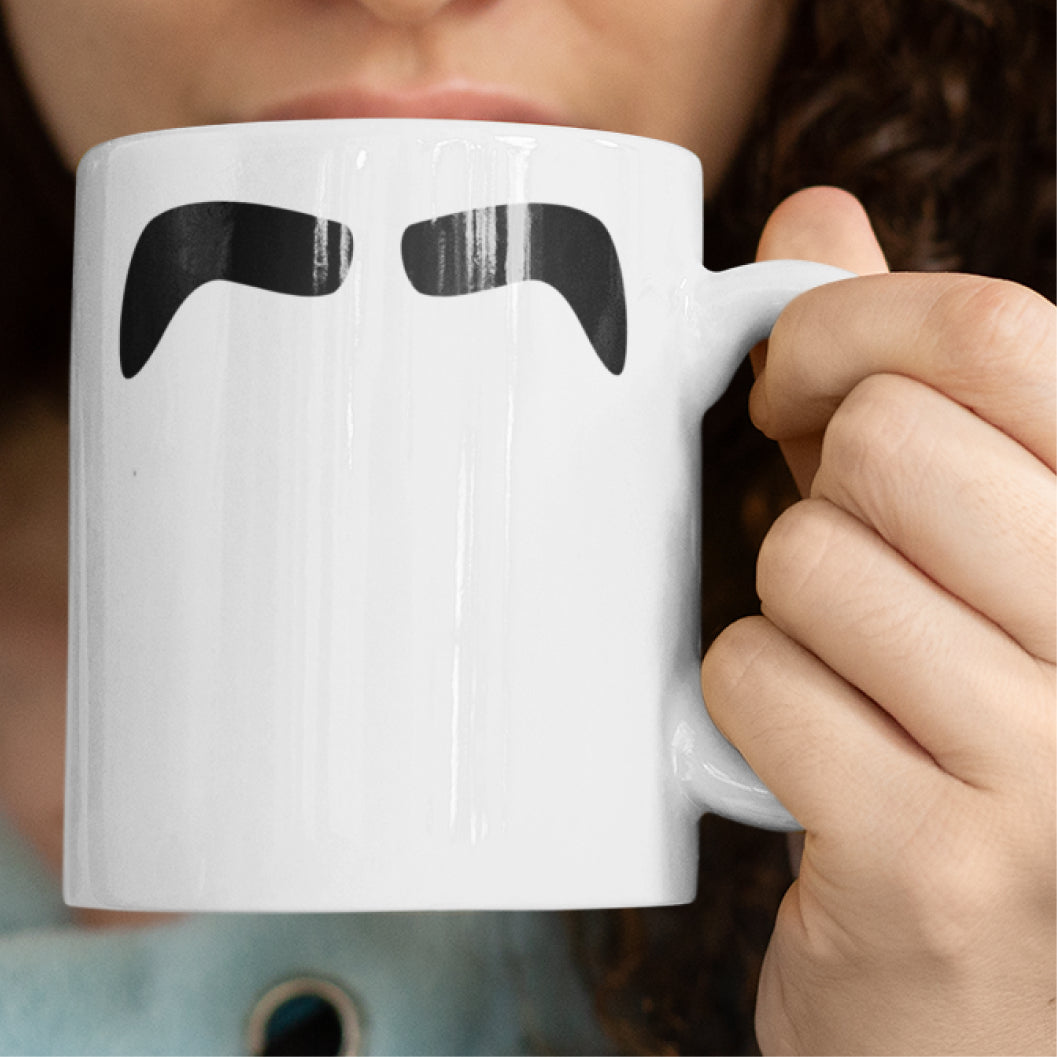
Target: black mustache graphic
{"x":287,"y":252}
{"x":273,"y":249}
{"x":570,"y":250}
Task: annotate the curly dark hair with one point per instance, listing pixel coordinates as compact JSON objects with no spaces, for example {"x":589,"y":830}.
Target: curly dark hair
{"x":939,"y":115}
{"x":36,"y":252}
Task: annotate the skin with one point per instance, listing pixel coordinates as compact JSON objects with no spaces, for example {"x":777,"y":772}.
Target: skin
{"x":104,"y":68}
{"x":898,"y":691}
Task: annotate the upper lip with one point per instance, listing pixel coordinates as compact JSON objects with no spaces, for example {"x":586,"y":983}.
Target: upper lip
{"x":453,"y":100}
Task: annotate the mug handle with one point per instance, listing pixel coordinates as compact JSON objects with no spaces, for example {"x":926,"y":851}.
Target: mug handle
{"x":737,"y":308}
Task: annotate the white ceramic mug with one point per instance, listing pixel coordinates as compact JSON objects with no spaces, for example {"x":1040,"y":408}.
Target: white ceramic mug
{"x":385,"y":514}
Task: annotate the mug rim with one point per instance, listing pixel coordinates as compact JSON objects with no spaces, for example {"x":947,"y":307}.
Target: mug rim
{"x":466,"y":127}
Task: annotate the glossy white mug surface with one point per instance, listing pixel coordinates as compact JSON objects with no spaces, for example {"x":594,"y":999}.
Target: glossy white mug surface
{"x":385,"y":518}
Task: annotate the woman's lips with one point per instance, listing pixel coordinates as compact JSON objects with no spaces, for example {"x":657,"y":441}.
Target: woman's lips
{"x":458,"y":102}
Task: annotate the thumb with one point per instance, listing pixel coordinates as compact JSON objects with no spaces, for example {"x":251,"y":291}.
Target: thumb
{"x":823,"y":224}
{"x":830,"y":226}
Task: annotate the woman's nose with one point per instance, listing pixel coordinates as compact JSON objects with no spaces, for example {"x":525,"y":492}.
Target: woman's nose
{"x":408,"y":12}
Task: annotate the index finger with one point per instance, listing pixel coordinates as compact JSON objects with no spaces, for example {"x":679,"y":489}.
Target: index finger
{"x":985,"y":343}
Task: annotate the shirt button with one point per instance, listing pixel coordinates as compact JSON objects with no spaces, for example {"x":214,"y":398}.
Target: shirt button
{"x":304,"y":1016}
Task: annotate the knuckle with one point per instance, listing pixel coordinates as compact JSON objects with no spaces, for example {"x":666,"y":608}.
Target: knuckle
{"x":729,"y":658}
{"x":728,"y":664}
{"x":876,"y":426}
{"x":794,"y":548}
{"x":986,"y":330}
{"x":874,"y":449}
{"x":789,"y":325}
{"x":968,"y":866}
{"x":947,"y":883}
{"x":795,"y":329}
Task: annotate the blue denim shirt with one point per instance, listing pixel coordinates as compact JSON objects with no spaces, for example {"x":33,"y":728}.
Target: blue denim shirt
{"x":454,"y":983}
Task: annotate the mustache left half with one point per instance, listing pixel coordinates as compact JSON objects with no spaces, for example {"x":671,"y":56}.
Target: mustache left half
{"x":279,"y":250}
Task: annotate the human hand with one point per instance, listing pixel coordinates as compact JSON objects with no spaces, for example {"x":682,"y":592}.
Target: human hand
{"x":898,"y":692}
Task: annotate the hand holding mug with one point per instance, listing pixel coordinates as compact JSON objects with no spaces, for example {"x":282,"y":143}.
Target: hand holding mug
{"x":898,"y":691}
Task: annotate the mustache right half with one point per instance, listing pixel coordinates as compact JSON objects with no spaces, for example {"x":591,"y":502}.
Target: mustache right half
{"x":566,"y":248}
{"x":267,"y":247}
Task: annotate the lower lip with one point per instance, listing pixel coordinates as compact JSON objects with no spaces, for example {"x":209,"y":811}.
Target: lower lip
{"x":452,"y":104}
